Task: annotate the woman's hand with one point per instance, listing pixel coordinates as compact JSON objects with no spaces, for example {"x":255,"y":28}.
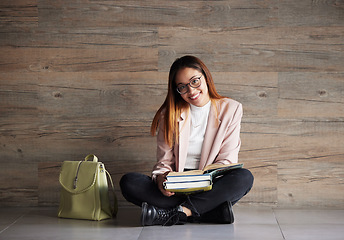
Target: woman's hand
{"x":160,"y":179}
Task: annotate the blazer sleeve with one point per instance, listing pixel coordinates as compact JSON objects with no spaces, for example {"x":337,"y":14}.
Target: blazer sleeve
{"x":231,"y":142}
{"x":165,"y":154}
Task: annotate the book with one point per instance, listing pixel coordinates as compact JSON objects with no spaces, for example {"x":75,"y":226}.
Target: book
{"x":197,"y":180}
{"x":186,"y":187}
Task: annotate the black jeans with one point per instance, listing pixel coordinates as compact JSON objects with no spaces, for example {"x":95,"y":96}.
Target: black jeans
{"x":138,"y":188}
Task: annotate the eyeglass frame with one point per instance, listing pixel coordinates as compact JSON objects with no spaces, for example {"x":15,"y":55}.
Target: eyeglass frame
{"x":185,"y":85}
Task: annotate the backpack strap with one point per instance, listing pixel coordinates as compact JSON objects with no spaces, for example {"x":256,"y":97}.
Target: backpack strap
{"x":115,"y":205}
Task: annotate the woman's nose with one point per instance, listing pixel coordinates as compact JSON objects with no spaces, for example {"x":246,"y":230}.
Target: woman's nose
{"x":191,"y":89}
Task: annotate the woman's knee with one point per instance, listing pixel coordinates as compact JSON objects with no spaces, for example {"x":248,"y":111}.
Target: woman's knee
{"x":247,"y":178}
{"x":128,"y":181}
{"x":248,"y":175}
{"x":242,"y":178}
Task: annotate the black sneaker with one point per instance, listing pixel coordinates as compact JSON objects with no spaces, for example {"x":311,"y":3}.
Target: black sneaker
{"x":221,"y":214}
{"x":157,"y":216}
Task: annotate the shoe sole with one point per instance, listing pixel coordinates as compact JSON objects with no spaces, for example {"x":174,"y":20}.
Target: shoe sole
{"x":143,"y":213}
{"x":231,"y":215}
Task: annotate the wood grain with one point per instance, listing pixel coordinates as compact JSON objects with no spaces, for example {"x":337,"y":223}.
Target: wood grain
{"x":67,"y":14}
{"x":319,"y":182}
{"x":78,"y":60}
{"x":80,"y":77}
{"x":89,"y":38}
{"x":84,"y":14}
{"x":19,"y":15}
{"x":18,"y":183}
{"x":309,"y":95}
{"x":288,"y":139}
{"x":258,"y":92}
{"x":257,"y":49}
{"x":311,"y":13}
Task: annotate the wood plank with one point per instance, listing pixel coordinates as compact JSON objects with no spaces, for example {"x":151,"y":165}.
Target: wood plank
{"x":264,"y":190}
{"x":67,"y":114}
{"x":311,"y":182}
{"x":311,"y":95}
{"x":19,"y":15}
{"x":18,"y":93}
{"x":305,"y":151}
{"x":113,"y":143}
{"x":90,"y":38}
{"x":19,"y":59}
{"x":310,"y":13}
{"x":119,"y":96}
{"x":258,"y":92}
{"x":85,"y":14}
{"x":48,"y":183}
{"x":262,"y":49}
{"x":78,"y":60}
{"x":18,"y":182}
{"x":261,"y":143}
{"x":272,"y":140}
{"x":285,"y":13}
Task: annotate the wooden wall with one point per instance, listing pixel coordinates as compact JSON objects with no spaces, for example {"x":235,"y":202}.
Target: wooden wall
{"x":87,"y":76}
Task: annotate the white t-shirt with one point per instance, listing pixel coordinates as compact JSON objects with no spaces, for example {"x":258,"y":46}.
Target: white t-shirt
{"x":199,"y":120}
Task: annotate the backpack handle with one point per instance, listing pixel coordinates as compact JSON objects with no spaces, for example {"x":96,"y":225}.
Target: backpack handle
{"x":95,"y":159}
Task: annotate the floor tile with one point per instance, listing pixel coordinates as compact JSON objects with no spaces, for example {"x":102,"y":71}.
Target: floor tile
{"x":43,"y":224}
{"x":250,"y":215}
{"x":212,"y":231}
{"x":250,"y":223}
{"x":311,"y":224}
{"x":309,"y":216}
{"x":9,"y":216}
{"x":313,"y":232}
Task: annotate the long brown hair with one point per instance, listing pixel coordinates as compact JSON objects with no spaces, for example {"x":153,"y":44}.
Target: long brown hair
{"x":174,"y":104}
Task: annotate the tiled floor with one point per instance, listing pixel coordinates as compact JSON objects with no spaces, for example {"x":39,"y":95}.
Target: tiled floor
{"x":250,"y":223}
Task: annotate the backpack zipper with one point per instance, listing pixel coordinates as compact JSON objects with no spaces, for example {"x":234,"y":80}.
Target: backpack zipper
{"x":76,"y":176}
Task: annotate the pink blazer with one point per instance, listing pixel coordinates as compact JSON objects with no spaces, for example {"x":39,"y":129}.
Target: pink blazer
{"x":221,"y":141}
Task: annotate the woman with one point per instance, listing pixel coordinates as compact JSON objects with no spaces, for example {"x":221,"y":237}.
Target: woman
{"x":196,"y":127}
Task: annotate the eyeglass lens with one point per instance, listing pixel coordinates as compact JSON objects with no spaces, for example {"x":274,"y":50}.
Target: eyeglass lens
{"x":195,"y":83}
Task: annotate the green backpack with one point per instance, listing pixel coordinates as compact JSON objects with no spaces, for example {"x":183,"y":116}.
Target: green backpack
{"x":84,"y":190}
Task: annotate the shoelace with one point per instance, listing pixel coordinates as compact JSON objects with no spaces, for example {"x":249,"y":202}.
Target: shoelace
{"x":172,"y":220}
{"x":168,"y":217}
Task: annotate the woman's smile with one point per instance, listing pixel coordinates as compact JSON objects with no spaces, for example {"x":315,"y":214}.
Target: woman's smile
{"x":195,"y":96}
{"x":198,"y":96}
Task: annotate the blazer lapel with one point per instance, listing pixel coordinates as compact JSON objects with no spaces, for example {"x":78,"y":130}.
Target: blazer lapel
{"x":184,"y":134}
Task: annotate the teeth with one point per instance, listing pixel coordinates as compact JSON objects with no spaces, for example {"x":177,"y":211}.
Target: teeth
{"x":195,"y":96}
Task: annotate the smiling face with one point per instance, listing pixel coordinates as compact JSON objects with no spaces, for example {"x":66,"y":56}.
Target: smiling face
{"x":195,"y":96}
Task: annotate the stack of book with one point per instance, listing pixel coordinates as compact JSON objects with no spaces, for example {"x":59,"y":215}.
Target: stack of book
{"x":197,"y":180}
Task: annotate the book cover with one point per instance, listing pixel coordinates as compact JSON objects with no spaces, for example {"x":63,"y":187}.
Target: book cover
{"x":197,"y":180}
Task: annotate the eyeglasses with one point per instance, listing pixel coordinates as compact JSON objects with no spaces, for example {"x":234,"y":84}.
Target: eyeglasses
{"x":194,"y":83}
